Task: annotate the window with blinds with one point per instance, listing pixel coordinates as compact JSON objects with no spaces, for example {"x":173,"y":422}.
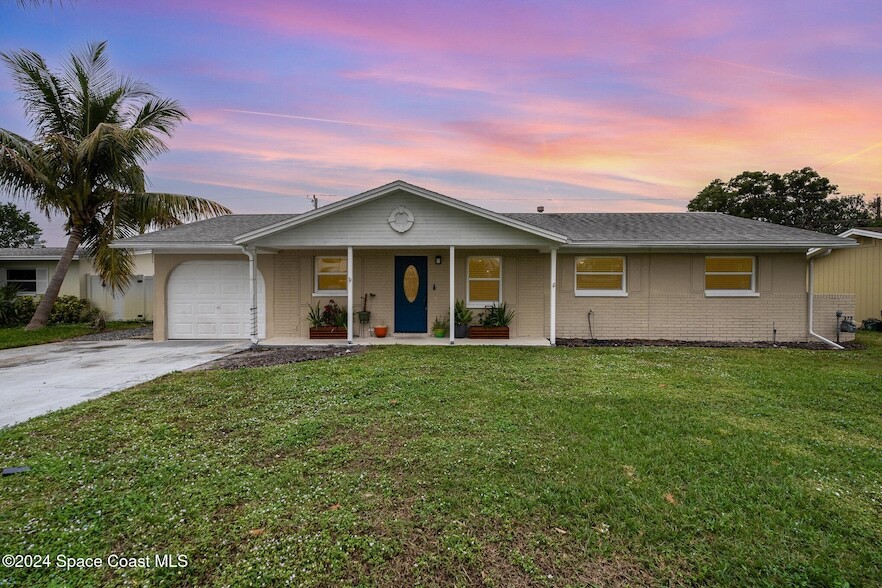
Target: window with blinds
{"x":484,"y":281}
{"x":729,"y":275}
{"x":600,"y":276}
{"x":330,"y":275}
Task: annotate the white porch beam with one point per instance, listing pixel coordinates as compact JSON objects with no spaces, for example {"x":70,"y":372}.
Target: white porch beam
{"x":349,"y":265}
{"x":553,"y":318}
{"x":452,"y":295}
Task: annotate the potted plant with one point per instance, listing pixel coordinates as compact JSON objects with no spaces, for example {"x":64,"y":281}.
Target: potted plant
{"x":364,"y":315}
{"x":328,"y":322}
{"x":494,"y":323}
{"x":462,"y":318}
{"x":440,"y":326}
{"x":381,"y":330}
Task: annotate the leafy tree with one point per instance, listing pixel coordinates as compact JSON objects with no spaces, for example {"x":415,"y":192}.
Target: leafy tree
{"x":94,"y":129}
{"x":801,"y":198}
{"x":17,"y":229}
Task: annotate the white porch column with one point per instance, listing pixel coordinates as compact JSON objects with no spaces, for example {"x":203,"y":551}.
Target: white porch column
{"x":349,"y":265}
{"x":452,"y":296}
{"x":553,"y":326}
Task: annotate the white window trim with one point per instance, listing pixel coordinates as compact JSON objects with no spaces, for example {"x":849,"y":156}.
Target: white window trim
{"x":482,"y":303}
{"x":752,"y":293}
{"x":622,"y":293}
{"x":316,"y":293}
{"x":41,"y":280}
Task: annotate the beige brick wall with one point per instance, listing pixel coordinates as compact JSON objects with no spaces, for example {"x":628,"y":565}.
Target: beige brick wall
{"x":824,"y":321}
{"x":666,"y":298}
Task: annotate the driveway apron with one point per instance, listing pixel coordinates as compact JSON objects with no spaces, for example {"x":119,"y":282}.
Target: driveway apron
{"x":42,"y":378}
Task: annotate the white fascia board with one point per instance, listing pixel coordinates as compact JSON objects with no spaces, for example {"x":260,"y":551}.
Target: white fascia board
{"x":792,"y":246}
{"x":37,"y":258}
{"x":861,"y":233}
{"x":159,"y":247}
{"x":384,"y":191}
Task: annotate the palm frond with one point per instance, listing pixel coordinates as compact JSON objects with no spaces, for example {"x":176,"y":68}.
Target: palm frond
{"x":162,"y":210}
{"x":94,"y":131}
{"x":114,"y":266}
{"x":160,"y":115}
{"x":22,"y":168}
{"x":45,"y":97}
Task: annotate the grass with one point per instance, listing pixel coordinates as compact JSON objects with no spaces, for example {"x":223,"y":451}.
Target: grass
{"x":467,"y":466}
{"x":17,"y":337}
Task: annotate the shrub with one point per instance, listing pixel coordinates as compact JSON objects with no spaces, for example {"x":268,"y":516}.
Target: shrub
{"x":8,"y":305}
{"x":497,"y":316}
{"x":25,"y":307}
{"x":71,"y":310}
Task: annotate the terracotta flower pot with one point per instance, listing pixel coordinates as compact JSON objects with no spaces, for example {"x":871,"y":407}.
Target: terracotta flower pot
{"x":380,"y":330}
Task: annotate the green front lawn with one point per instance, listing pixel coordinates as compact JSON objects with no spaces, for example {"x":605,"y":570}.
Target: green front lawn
{"x":467,"y":466}
{"x":17,"y":337}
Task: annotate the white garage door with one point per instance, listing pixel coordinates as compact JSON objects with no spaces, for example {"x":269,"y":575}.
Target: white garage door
{"x":212,"y":300}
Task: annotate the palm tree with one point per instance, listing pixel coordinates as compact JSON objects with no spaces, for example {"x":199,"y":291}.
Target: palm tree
{"x":94,"y":129}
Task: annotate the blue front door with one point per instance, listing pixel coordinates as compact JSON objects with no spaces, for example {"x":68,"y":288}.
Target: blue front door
{"x":411,"y":294}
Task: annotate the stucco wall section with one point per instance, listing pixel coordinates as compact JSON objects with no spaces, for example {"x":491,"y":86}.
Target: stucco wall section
{"x":72,"y":285}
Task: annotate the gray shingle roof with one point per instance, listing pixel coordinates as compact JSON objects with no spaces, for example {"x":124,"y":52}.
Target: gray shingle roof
{"x":34,"y":253}
{"x":219,"y":230}
{"x":674,"y":229}
{"x":704,"y":228}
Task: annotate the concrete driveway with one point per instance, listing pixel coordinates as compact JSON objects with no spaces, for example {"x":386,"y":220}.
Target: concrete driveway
{"x":42,"y":378}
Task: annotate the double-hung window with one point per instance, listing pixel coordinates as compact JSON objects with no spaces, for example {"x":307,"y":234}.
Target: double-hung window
{"x":484,"y":281}
{"x":330,"y":275}
{"x":730,"y":276}
{"x":600,"y":276}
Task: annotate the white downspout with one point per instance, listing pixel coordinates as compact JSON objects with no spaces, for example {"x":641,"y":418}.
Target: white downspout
{"x":349,"y":266}
{"x":252,"y":285}
{"x":452,"y":322}
{"x":553,"y":318}
{"x":811,"y":302}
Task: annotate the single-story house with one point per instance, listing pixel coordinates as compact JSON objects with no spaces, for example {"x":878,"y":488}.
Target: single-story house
{"x":680,"y":276}
{"x":857,"y":270}
{"x":31,"y":268}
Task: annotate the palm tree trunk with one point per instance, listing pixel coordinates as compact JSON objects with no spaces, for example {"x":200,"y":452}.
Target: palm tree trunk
{"x":41,"y":316}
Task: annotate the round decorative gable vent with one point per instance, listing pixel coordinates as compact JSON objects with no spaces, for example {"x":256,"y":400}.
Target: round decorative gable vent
{"x":401,"y":219}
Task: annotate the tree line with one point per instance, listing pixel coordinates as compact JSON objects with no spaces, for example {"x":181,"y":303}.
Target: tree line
{"x":801,"y":198}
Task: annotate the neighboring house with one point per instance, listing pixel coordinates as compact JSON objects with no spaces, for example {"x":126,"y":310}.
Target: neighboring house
{"x":30,"y":270}
{"x":687,"y":276}
{"x":855,"y":271}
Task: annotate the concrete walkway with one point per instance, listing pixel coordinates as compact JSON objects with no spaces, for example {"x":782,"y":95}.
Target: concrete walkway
{"x":42,"y":378}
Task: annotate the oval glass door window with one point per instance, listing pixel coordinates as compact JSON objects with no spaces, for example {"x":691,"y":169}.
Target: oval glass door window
{"x":411,"y":283}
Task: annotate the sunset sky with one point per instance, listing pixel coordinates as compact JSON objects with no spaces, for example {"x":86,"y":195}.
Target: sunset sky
{"x":577,"y":106}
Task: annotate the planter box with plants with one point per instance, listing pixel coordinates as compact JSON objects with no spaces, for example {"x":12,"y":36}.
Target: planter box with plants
{"x":328,"y":322}
{"x":493,"y":323}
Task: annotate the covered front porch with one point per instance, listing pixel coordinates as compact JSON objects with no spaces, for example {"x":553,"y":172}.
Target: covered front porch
{"x":405,"y":290}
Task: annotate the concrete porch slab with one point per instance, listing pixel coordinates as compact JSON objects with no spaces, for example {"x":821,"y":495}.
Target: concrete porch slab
{"x":406,"y":339}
